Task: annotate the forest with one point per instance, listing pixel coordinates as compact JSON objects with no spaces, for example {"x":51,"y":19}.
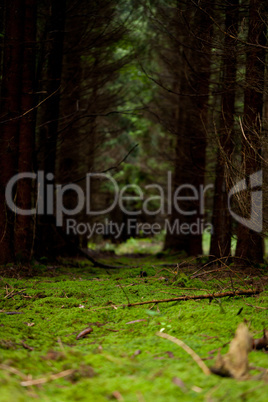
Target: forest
{"x":170,"y":100}
{"x":133,"y":150}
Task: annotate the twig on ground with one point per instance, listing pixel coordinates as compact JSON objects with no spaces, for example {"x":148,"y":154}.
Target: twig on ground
{"x":258,"y":307}
{"x":13,"y":293}
{"x":188,"y":350}
{"x":51,"y":377}
{"x":121,"y":287}
{"x":246,"y":292}
{"x":11,"y":312}
{"x":207,"y":264}
{"x":12,"y":370}
{"x":207,"y":272}
{"x":27,"y":346}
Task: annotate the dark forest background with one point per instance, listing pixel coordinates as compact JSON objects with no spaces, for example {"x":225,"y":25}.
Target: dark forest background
{"x":84,"y":82}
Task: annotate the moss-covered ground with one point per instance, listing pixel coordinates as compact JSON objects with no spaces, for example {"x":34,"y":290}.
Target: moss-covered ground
{"x":123,"y":358}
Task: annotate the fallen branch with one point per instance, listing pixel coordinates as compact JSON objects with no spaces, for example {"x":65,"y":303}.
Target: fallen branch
{"x":188,"y":350}
{"x":245,"y":292}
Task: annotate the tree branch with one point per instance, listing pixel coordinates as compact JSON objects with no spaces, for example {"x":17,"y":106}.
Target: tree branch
{"x":243,"y":292}
{"x":112,"y":167}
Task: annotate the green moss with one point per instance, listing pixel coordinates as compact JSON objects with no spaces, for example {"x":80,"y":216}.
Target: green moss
{"x":119,"y":355}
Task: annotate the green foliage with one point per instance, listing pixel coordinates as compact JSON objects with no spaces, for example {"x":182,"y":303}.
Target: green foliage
{"x":139,"y":245}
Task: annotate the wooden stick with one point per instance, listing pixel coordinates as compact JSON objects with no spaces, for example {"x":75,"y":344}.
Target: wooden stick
{"x":243,"y":292}
{"x":46,"y":379}
{"x":211,"y":296}
{"x":259,"y":307}
{"x":13,"y":370}
{"x":188,"y":350}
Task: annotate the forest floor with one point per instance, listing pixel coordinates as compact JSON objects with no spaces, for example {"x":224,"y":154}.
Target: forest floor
{"x":43,"y":311}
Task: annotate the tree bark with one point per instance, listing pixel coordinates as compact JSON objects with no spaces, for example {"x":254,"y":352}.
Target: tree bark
{"x":23,"y":234}
{"x":191,"y":133}
{"x":249,"y":242}
{"x":221,"y":220}
{"x":10,"y":112}
{"x":1,"y":37}
{"x":46,"y":236}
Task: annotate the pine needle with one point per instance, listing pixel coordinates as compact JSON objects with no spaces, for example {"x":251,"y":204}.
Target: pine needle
{"x":188,"y":350}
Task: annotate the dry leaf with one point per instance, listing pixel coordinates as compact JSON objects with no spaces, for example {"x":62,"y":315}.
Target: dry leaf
{"x":54,"y":355}
{"x":177,"y":381}
{"x":117,"y":396}
{"x":196,"y":389}
{"x":235,"y":362}
{"x":84,"y":333}
{"x":136,"y":353}
{"x":133,"y":322}
{"x":170,"y":355}
{"x":112,"y":330}
{"x":261,"y":343}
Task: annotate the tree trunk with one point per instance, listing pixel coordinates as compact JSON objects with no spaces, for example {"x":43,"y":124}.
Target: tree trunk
{"x":191,"y":134}
{"x":10,"y":112}
{"x":55,"y":58}
{"x":71,"y":163}
{"x":23,"y":234}
{"x":182,"y":169}
{"x":250,"y":242}
{"x":1,"y":37}
{"x":221,"y":220}
{"x":46,"y":237}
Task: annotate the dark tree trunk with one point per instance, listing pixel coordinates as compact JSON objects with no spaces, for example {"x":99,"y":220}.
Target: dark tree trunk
{"x":10,"y":112}
{"x":54,"y":70}
{"x":47,"y":238}
{"x":182,"y":170}
{"x":191,"y":133}
{"x":249,"y":242}
{"x":221,"y":220}
{"x":1,"y":37}
{"x":70,"y":166}
{"x":23,"y":234}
